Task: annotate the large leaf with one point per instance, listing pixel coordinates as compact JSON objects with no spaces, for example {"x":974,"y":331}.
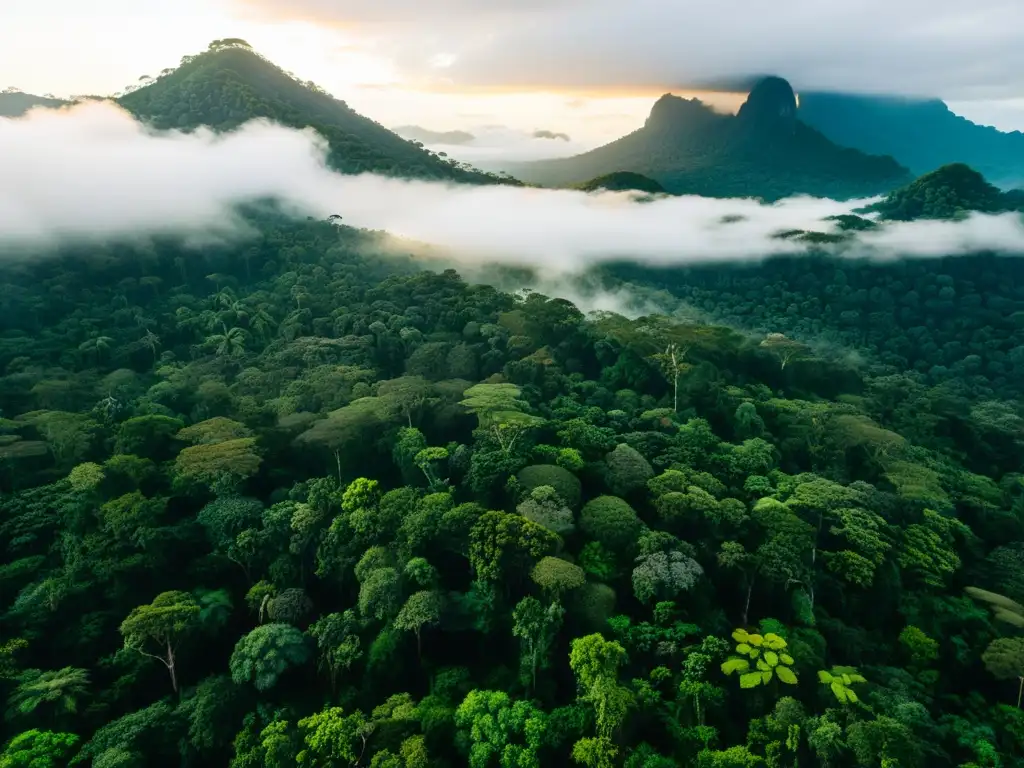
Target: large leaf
{"x":851,"y":695}
{"x":774,"y":642}
{"x":786,"y":659}
{"x":739,"y":635}
{"x":755,"y":640}
{"x":824,"y":676}
{"x":743,"y":648}
{"x":762,"y":665}
{"x":786,"y":675}
{"x":766,"y":675}
{"x":750,"y":680}
{"x":735,"y":664}
{"x":772,"y":658}
{"x":838,"y":690}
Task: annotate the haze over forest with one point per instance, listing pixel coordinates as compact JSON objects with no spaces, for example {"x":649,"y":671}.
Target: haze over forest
{"x":515,"y":437}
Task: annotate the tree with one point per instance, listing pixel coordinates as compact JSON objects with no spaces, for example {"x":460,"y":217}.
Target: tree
{"x":628,"y":470}
{"x":501,"y":732}
{"x":57,"y":690}
{"x":501,"y":412}
{"x":264,"y":654}
{"x":556,"y":576}
{"x":672,"y":364}
{"x":664,"y":575}
{"x":230,"y":462}
{"x":564,"y":482}
{"x":1004,"y":658}
{"x":768,"y":652}
{"x":422,"y":609}
{"x":38,"y":749}
{"x":536,"y":627}
{"x":596,"y":662}
{"x":545,"y":507}
{"x":333,"y":738}
{"x":611,"y":521}
{"x":787,"y":350}
{"x":503,"y":543}
{"x":338,"y":642}
{"x":161,"y":625}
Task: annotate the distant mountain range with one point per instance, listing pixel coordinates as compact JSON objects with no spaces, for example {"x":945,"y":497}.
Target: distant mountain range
{"x":763,"y":151}
{"x":923,"y":134}
{"x":833,"y":145}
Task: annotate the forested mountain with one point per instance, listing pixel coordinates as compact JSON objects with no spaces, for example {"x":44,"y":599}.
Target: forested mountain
{"x":292,"y":502}
{"x":14,"y":103}
{"x":922,"y":134}
{"x":764,"y":151}
{"x":230,"y":84}
{"x":950,"y":192}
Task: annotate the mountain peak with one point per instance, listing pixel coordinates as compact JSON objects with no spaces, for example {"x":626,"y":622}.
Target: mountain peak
{"x":672,"y":112}
{"x":771,"y":102}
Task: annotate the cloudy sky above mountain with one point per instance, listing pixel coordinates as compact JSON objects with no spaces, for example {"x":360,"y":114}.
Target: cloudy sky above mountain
{"x":590,"y":68}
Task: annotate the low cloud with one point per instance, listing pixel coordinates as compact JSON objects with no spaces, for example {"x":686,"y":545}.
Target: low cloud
{"x":496,"y":147}
{"x":93,"y":173}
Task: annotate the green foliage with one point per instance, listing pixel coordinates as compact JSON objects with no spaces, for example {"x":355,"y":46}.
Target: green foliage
{"x":501,"y":732}
{"x":317,"y":467}
{"x":611,"y":521}
{"x":265,"y":653}
{"x":38,"y":749}
{"x":564,"y":483}
{"x":839,"y":681}
{"x":760,"y":659}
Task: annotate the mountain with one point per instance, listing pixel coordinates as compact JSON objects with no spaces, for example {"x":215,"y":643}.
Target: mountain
{"x":763,"y":151}
{"x":425,"y":135}
{"x":623,"y":181}
{"x":949,"y":192}
{"x":923,"y":134}
{"x":230,"y":84}
{"x":15,"y":103}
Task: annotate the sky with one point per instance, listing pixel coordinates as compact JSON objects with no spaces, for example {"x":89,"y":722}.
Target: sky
{"x":587,"y":68}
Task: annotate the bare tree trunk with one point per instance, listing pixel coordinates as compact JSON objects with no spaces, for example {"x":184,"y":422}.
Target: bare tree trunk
{"x":746,"y":605}
{"x":170,"y":667}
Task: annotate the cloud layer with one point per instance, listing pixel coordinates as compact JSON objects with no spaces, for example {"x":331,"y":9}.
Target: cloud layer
{"x":919,"y":47}
{"x":92,"y":172}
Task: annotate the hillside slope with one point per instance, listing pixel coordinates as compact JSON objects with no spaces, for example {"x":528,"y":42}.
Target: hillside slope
{"x":230,"y":84}
{"x":950,"y":192}
{"x":763,"y":151}
{"x":921,"y":134}
{"x":16,"y":103}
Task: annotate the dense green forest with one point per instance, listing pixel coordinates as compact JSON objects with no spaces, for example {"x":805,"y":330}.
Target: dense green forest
{"x":923,"y":134}
{"x":293,"y":502}
{"x":764,"y":151}
{"x":950,"y":192}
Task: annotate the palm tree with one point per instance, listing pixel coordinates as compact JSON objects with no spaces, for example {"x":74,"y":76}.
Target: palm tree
{"x":59,"y":688}
{"x":231,"y":342}
{"x":152,"y":341}
{"x":261,"y":321}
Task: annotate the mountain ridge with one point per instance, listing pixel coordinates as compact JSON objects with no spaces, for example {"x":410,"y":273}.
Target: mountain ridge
{"x":923,"y":134}
{"x":764,"y":151}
